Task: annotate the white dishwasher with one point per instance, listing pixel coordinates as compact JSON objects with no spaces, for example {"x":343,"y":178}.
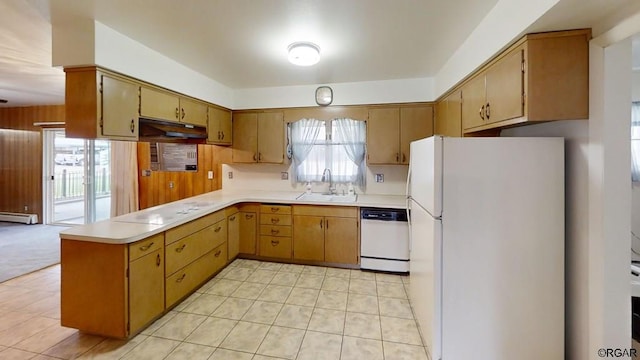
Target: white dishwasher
{"x":384,"y":239}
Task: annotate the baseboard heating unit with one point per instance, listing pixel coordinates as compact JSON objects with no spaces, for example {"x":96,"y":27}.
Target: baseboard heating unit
{"x":19,"y":218}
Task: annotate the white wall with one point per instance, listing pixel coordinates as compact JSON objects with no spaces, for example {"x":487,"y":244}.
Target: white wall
{"x":267,"y":177}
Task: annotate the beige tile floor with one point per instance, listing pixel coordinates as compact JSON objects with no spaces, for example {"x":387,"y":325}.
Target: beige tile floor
{"x":250,"y":310}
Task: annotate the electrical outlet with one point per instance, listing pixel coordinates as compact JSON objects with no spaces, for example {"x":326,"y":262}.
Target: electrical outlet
{"x":146,"y":172}
{"x":379,"y":178}
{"x":284,"y":175}
{"x":230,"y":174}
{"x":26,"y":208}
{"x":210,"y":175}
{"x":171,"y":184}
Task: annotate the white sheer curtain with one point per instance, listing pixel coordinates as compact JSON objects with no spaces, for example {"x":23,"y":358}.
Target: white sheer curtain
{"x":304,"y":135}
{"x":124,"y":177}
{"x":349,"y":139}
{"x":635,"y":141}
{"x":313,"y":150}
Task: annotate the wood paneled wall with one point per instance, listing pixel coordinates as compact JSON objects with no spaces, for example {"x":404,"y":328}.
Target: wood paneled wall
{"x":21,"y":157}
{"x":155,"y":190}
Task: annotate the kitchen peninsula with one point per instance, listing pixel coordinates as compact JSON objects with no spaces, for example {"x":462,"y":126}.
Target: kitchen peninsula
{"x":121,"y":274}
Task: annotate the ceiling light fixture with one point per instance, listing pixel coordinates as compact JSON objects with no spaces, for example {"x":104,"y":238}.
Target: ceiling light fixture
{"x":304,"y":53}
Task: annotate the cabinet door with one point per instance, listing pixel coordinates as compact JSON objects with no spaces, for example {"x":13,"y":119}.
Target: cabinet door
{"x":505,"y":86}
{"x":157,"y":104}
{"x":416,"y":122}
{"x":341,"y":240}
{"x":454,"y":115}
{"x":271,"y":137}
{"x":193,"y":112}
{"x":383,"y":136}
{"x":248,"y":232}
{"x":219,"y":127}
{"x":275,"y":247}
{"x":308,"y":237}
{"x":245,"y":138}
{"x":146,"y":289}
{"x":473,"y":103}
{"x":119,"y":108}
{"x":233,"y":238}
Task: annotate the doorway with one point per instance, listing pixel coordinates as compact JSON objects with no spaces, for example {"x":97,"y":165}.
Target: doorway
{"x":77,"y":187}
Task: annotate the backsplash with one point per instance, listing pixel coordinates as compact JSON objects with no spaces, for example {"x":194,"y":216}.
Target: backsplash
{"x":269,"y":177}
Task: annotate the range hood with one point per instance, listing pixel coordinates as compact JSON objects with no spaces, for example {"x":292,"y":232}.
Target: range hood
{"x":163,"y":131}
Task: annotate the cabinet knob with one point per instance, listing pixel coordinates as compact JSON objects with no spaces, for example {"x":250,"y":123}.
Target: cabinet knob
{"x":217,"y":254}
{"x":275,"y":242}
{"x":179,"y":280}
{"x":182,"y":118}
{"x":222,"y":132}
{"x":158,"y":260}
{"x":481,"y":112}
{"x":404,"y":158}
{"x":275,"y":232}
{"x":397,"y":157}
{"x":219,"y":138}
{"x":275,"y":209}
{"x":132,"y":126}
{"x":218,"y":229}
{"x":275,"y":220}
{"x":179,"y":250}
{"x":248,"y":216}
{"x":488,"y":111}
{"x":146,"y":247}
{"x":177,"y":113}
{"x":232,"y":218}
{"x":259,"y":156}
{"x":320,"y":223}
{"x":255,"y":158}
{"x":327,"y":223}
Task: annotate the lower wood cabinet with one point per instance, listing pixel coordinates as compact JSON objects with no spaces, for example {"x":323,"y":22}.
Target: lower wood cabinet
{"x":326,"y":233}
{"x":112,"y":289}
{"x":275,"y":231}
{"x":248,"y":219}
{"x":233,"y":232}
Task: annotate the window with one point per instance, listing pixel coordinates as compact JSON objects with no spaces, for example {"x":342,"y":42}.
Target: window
{"x":337,"y":145}
{"x":635,"y":141}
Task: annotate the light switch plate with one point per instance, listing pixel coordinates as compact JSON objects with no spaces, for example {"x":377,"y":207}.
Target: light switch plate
{"x":210,"y":174}
{"x":379,"y":178}
{"x":230,"y":174}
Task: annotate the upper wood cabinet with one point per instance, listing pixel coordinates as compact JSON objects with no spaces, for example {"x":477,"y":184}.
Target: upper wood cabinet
{"x":219,"y":126}
{"x":258,"y":137}
{"x":542,"y":77}
{"x":391,"y":129}
{"x":448,"y":117}
{"x":164,"y":105}
{"x":100,"y":104}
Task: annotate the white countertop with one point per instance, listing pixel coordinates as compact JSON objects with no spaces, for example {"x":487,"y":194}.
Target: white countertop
{"x":141,"y":224}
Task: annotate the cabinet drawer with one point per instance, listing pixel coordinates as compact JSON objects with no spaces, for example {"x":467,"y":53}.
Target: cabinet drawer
{"x":181,"y":231}
{"x":184,"y":251}
{"x":146,"y":246}
{"x":275,"y":209}
{"x":322,"y":210}
{"x":272,"y":219}
{"x":276,"y":247}
{"x":188,"y":278}
{"x":274,"y":230}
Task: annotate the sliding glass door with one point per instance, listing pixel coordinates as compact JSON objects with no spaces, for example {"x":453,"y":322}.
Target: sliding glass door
{"x":77,"y":179}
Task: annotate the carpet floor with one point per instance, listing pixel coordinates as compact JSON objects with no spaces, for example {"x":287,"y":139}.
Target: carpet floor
{"x":27,"y":248}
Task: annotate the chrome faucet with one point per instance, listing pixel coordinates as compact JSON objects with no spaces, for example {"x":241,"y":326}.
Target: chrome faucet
{"x":324,"y":179}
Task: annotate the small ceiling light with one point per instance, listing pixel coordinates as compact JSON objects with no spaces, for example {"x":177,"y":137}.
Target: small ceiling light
{"x":304,"y":53}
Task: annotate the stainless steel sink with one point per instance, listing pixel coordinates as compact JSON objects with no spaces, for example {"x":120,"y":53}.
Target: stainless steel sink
{"x":320,"y":197}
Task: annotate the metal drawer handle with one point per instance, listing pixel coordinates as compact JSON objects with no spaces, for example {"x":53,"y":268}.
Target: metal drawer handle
{"x":179,"y":280}
{"x":179,"y":250}
{"x":255,"y":157}
{"x":218,"y":229}
{"x":275,"y":242}
{"x":158,"y":260}
{"x":275,"y":220}
{"x":146,"y":247}
{"x":320,"y":223}
{"x":217,"y":253}
{"x":219,"y":135}
{"x":177,"y":113}
{"x":233,"y":218}
{"x":222,"y":135}
{"x":183,"y":113}
{"x":132,"y":127}
{"x":404,"y":158}
{"x":327,"y":223}
{"x":248,"y":216}
{"x":481,"y":112}
{"x":275,"y":232}
{"x":488,"y":111}
{"x":275,"y":209}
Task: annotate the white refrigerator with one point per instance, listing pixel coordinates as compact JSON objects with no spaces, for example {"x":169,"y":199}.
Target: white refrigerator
{"x":487,"y":247}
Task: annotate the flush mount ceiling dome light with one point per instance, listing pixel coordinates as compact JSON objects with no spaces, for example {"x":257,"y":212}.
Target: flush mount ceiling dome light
{"x":304,"y":53}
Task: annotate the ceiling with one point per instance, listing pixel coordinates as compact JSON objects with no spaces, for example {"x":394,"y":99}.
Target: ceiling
{"x":242,"y":43}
